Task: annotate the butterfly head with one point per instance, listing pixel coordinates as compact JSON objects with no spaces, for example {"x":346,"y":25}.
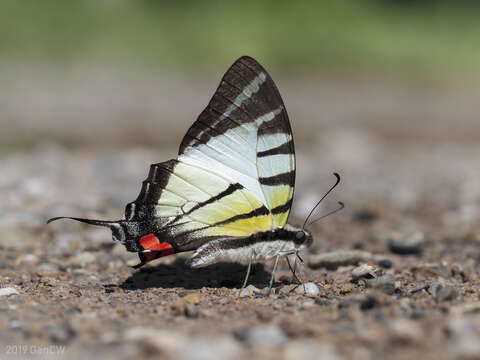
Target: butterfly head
{"x":303,"y":238}
{"x":300,"y":238}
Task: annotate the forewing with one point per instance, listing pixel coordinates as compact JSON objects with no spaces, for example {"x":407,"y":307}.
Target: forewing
{"x":245,"y":135}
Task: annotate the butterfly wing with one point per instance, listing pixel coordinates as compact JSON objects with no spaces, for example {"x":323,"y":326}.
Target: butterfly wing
{"x":244,"y":133}
{"x":235,"y":172}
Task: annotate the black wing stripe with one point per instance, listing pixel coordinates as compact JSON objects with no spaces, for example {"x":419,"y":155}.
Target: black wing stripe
{"x":286,"y":178}
{"x":240,"y":75}
{"x":266,"y":91}
{"x":228,"y":191}
{"x":254,"y":213}
{"x":244,"y":64}
{"x":257,"y":212}
{"x":282,"y":208}
{"x":221,"y":114}
{"x":285,"y":148}
{"x":235,"y":87}
{"x":275,"y":126}
{"x":236,"y":124}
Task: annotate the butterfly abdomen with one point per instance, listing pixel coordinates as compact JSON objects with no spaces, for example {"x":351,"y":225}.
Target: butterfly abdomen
{"x":260,"y":246}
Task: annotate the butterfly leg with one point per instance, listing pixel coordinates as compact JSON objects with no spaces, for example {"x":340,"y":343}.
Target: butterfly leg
{"x":294,"y":269}
{"x":303,"y":264}
{"x":273,"y":271}
{"x":252,"y":255}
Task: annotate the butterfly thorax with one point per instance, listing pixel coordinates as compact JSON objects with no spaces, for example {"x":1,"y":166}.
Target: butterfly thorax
{"x":287,"y":233}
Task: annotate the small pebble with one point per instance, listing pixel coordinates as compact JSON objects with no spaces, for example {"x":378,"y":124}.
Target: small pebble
{"x":178,"y":308}
{"x":249,"y":291}
{"x":60,"y":335}
{"x":163,"y":341}
{"x":443,"y":292}
{"x":323,"y":302}
{"x":366,"y":271}
{"x":191,"y":311}
{"x":47,"y":268}
{"x":262,"y":335}
{"x":28,"y":259}
{"x":457,"y":270}
{"x":385,"y":283}
{"x":287,"y":289}
{"x":8,"y":291}
{"x":15,"y":325}
{"x":385,"y":263}
{"x":193,"y":298}
{"x":406,"y":331}
{"x":368,"y":303}
{"x":266,"y":291}
{"x":265,"y":316}
{"x":309,"y":289}
{"x":305,"y":305}
{"x":408,"y":245}
{"x":346,"y":289}
{"x":244,"y":292}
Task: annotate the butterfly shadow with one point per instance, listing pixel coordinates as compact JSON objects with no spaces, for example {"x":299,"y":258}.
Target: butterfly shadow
{"x":180,"y":274}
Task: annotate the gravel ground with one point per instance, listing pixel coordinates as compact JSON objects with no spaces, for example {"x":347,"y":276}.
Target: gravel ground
{"x":395,"y":275}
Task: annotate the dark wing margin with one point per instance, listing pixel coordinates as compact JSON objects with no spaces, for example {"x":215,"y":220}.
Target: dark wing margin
{"x":143,"y":207}
{"x":246,"y":122}
{"x":246,"y":92}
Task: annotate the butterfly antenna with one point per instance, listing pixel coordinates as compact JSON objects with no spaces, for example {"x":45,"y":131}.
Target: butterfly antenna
{"x":109,"y":224}
{"x":342,"y":205}
{"x":323,"y":197}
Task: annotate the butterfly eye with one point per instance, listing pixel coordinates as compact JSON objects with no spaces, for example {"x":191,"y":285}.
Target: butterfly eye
{"x":299,"y":237}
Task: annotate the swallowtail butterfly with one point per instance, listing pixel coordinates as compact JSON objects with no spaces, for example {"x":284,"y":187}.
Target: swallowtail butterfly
{"x":228,"y":194}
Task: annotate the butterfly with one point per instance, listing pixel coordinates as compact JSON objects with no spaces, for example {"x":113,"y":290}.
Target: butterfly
{"x":228,"y":194}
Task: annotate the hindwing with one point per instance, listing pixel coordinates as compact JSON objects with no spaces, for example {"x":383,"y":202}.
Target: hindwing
{"x":235,"y":171}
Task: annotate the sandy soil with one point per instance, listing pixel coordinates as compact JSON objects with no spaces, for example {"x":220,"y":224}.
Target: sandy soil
{"x":410,"y":181}
{"x":73,"y":288}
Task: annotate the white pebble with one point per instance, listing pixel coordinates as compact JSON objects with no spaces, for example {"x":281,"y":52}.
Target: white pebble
{"x":8,"y":291}
{"x":243,"y":293}
{"x":363,"y":271}
{"x":309,"y":289}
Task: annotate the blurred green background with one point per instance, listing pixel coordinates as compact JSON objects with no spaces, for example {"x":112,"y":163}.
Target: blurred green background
{"x":65,"y":62}
{"x":436,"y":37}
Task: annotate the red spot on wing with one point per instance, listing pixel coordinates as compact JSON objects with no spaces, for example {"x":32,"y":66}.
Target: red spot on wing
{"x":149,"y":241}
{"x":158,"y":249}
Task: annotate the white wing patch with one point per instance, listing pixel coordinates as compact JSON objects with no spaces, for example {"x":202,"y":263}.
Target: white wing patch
{"x":271,"y":141}
{"x":274,"y":164}
{"x":215,"y":155}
